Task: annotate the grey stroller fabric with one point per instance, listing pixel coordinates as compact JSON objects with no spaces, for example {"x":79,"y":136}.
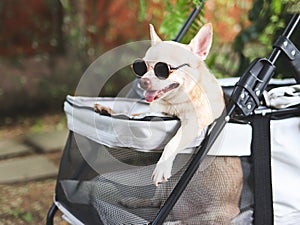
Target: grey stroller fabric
{"x":283,"y":97}
{"x":108,"y":159}
{"x":122,"y":130}
{"x":155,"y":129}
{"x":105,"y":191}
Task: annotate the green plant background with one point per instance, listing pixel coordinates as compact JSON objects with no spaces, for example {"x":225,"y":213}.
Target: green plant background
{"x":267,"y":18}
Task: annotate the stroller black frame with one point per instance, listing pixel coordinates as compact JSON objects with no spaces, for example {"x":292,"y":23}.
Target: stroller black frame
{"x":244,"y":101}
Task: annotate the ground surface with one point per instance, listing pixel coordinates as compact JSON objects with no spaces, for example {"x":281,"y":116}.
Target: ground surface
{"x":28,"y":202}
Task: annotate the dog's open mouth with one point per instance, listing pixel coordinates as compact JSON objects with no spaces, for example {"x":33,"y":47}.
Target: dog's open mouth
{"x":151,"y":95}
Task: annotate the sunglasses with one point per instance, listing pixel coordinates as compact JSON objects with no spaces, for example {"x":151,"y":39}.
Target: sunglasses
{"x":161,"y":70}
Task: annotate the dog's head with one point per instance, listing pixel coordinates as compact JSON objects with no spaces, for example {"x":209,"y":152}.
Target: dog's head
{"x":170,"y":66}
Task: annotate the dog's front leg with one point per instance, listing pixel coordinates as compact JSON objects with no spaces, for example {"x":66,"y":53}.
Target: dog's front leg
{"x":183,"y":138}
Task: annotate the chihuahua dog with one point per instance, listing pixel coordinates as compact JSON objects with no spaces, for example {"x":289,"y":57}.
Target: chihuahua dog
{"x":176,"y":81}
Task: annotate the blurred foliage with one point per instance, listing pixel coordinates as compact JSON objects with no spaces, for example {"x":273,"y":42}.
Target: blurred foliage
{"x":174,"y":14}
{"x":267,"y":21}
{"x":60,"y":38}
{"x":221,"y":60}
{"x":75,"y":31}
{"x":267,"y":18}
{"x":34,"y":29}
{"x":47,"y":45}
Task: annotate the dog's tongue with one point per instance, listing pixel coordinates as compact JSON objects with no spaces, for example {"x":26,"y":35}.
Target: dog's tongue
{"x":150,"y":95}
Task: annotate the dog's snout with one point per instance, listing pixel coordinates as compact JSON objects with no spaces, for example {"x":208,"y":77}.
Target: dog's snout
{"x":145,"y":83}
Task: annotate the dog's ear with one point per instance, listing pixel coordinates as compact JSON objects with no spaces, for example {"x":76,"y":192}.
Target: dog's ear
{"x":154,"y":37}
{"x":201,"y":43}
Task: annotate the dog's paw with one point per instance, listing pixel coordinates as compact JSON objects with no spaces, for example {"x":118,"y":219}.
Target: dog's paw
{"x":103,"y":110}
{"x":162,"y":172}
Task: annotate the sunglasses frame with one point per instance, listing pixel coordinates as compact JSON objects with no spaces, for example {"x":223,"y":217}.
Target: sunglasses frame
{"x":170,"y":68}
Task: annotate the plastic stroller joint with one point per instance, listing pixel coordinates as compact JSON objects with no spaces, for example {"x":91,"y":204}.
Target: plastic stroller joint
{"x":248,"y":90}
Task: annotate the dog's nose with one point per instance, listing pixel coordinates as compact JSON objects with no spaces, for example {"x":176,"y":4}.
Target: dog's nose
{"x":145,"y":83}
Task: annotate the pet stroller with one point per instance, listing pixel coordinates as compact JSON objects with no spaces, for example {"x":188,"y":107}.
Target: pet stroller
{"x":109,"y":159}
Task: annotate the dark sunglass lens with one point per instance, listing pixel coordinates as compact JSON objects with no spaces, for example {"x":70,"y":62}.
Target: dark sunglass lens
{"x":139,"y":67}
{"x":161,"y":70}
